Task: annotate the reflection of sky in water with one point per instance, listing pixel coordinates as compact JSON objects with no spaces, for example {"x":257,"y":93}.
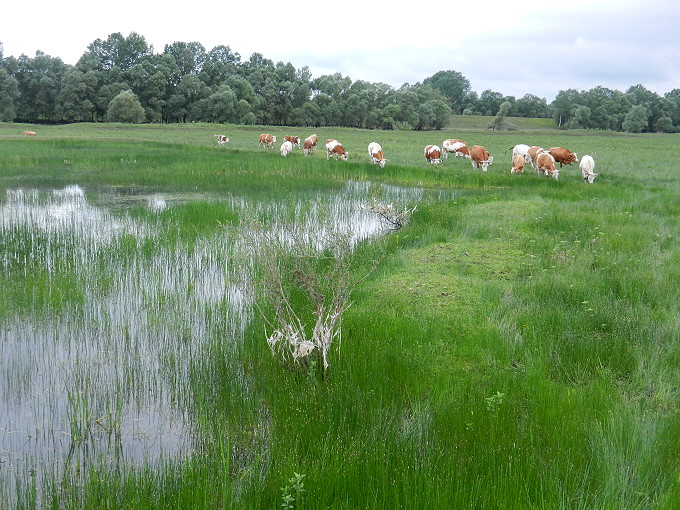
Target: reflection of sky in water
{"x":105,"y":375}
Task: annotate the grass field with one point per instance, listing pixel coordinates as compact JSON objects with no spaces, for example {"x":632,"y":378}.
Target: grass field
{"x":517,"y":346}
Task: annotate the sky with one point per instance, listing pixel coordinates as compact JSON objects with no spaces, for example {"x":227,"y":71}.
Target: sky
{"x":514,"y":47}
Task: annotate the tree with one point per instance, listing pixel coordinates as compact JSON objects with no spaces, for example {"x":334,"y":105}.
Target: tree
{"x":580,"y":118}
{"x":125,"y":107}
{"x":636,"y":119}
{"x":664,"y":125}
{"x":116,"y":52}
{"x":489,"y":102}
{"x":190,"y":57}
{"x":9,"y":94}
{"x":530,"y":105}
{"x":499,"y":120}
{"x":75,"y":99}
{"x":188,"y":93}
{"x":563,"y":105}
{"x":219,"y":107}
{"x":452,"y":85}
{"x":220,"y":64}
{"x":39,"y":81}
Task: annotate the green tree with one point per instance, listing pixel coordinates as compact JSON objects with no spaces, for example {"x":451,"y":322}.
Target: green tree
{"x":39,"y":80}
{"x":188,"y":93}
{"x":530,"y":105}
{"x":563,"y":105}
{"x":220,"y":63}
{"x":499,"y":120}
{"x":116,"y":52}
{"x":105,"y":95}
{"x":9,"y":94}
{"x":489,"y":102}
{"x":636,"y":120}
{"x":75,"y":99}
{"x":125,"y":107}
{"x":220,"y":106}
{"x":452,"y":85}
{"x":189,"y":57}
{"x":673,"y":98}
{"x":664,"y":125}
{"x":580,"y":118}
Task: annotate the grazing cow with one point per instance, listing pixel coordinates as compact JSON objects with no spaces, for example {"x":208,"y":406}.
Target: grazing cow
{"x":587,"y":165}
{"x":334,"y":148}
{"x":221,"y":139}
{"x":458,"y":147}
{"x":433,"y":154}
{"x":523,"y":150}
{"x":480,"y":157}
{"x":517,"y":164}
{"x":375,"y":152}
{"x":545,"y":163}
{"x":310,"y":143}
{"x":533,"y":153}
{"x":267,"y":141}
{"x":286,"y":148}
{"x":294,"y":140}
{"x":29,"y":133}
{"x":563,"y":156}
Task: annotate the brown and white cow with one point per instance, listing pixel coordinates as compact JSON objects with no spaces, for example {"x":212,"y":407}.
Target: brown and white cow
{"x":533,"y":153}
{"x":563,"y":156}
{"x":518,"y":161}
{"x":310,"y":144}
{"x":267,"y":140}
{"x":294,"y":140}
{"x":221,"y":139}
{"x":29,"y":133}
{"x":286,"y":148}
{"x":457,"y":147}
{"x":375,"y":152}
{"x":545,"y":163}
{"x":587,"y":165}
{"x":433,"y":154}
{"x":480,"y":158}
{"x":334,"y":148}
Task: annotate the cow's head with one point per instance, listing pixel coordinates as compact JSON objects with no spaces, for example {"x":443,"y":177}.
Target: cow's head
{"x":555,"y":174}
{"x":589,"y":178}
{"x":383,"y":162}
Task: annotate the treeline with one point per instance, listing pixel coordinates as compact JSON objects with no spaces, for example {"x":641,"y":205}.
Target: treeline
{"x":123,"y":79}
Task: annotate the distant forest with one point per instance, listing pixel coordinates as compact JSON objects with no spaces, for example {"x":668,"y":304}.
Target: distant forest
{"x":122,"y":79}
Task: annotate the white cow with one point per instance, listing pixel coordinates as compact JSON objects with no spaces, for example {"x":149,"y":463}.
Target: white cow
{"x":522,"y":149}
{"x":587,"y":165}
{"x":375,"y":152}
{"x":286,"y":148}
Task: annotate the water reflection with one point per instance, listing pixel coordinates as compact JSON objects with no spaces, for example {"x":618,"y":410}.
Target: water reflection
{"x":103,"y":373}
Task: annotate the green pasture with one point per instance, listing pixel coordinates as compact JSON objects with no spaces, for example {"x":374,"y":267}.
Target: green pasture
{"x":516,"y":347}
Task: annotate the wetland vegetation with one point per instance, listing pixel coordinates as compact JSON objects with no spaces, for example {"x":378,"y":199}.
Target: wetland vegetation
{"x":515,"y":347}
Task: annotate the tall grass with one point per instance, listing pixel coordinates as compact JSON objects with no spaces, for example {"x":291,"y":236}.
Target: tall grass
{"x":516,"y":348}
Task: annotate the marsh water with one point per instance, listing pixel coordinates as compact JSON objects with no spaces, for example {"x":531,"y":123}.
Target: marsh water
{"x":95,"y":357}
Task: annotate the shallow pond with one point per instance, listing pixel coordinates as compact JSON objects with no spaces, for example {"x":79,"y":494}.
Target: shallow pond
{"x":102,"y":373}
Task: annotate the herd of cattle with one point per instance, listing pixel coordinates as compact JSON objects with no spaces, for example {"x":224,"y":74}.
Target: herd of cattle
{"x":543,"y":161}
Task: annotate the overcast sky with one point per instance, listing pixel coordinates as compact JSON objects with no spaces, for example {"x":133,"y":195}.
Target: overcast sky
{"x":513,"y":47}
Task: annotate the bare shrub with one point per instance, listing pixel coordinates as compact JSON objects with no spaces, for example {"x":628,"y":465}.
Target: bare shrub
{"x":305,"y":287}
